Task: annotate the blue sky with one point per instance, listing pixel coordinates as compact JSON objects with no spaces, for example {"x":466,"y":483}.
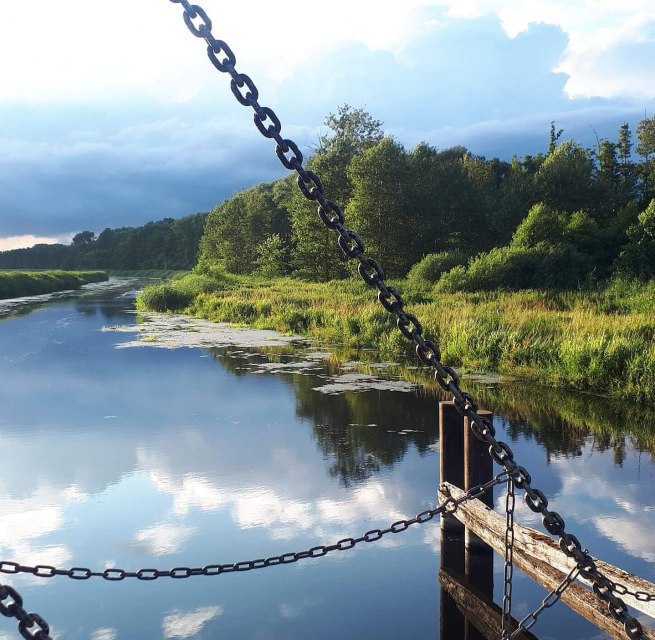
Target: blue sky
{"x":111,"y":114}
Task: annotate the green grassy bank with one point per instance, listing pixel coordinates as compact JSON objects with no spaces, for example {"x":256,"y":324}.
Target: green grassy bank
{"x":16,"y":284}
{"x":601,"y":341}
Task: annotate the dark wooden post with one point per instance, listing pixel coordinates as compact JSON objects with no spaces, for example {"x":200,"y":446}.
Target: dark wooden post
{"x":451,"y":469}
{"x":479,"y":556}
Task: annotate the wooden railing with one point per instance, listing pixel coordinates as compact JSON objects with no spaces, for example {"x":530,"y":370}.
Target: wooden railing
{"x":470,"y":536}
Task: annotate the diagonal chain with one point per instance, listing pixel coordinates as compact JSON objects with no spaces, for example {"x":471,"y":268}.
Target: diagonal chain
{"x":26,"y":621}
{"x":287,"y":151}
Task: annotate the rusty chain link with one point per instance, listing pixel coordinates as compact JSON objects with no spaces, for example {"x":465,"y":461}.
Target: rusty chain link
{"x":26,"y":621}
{"x":428,"y":352}
{"x":115,"y":574}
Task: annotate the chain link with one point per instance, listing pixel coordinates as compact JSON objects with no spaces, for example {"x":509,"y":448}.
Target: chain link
{"x":550,"y":600}
{"x":622,"y":590}
{"x":26,"y":621}
{"x":116,"y":574}
{"x":510,"y":502}
{"x":426,"y":350}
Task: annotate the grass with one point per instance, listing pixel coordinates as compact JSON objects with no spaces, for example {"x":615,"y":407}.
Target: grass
{"x":600,"y":342}
{"x":16,"y":284}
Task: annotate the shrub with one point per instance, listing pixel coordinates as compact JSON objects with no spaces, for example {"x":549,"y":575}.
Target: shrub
{"x":513,"y":268}
{"x":434,"y":265}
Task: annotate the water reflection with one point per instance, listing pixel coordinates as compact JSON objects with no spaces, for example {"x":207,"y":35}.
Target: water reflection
{"x":158,"y":457}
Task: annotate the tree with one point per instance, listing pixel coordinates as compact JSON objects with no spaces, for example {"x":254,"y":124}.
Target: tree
{"x":235,"y":228}
{"x":315,"y":254}
{"x":553,"y":137}
{"x":625,"y":143}
{"x":542,"y":225}
{"x":353,"y":128}
{"x":273,"y":257}
{"x":564,"y":179}
{"x":83,"y":238}
{"x":380,"y":208}
{"x":638,"y":256}
{"x":646,"y":137}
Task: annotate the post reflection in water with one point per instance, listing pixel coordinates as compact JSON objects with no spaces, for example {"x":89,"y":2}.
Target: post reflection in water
{"x":152,"y":457}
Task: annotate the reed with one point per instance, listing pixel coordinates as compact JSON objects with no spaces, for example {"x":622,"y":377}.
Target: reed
{"x":599,"y":341}
{"x":17,"y":284}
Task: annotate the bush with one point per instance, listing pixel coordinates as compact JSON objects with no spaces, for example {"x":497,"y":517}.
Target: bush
{"x":513,"y":268}
{"x":179,"y":293}
{"x":542,"y":224}
{"x":434,"y":265}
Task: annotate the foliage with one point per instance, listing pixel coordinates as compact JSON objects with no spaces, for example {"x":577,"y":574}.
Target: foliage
{"x":177,"y":294}
{"x":542,"y":224}
{"x":543,"y":266}
{"x":433,"y":266}
{"x":169,"y":244}
{"x":235,"y":228}
{"x":16,"y":284}
{"x":638,"y":257}
{"x":273,"y":257}
{"x":600,"y":341}
{"x":526,"y":216}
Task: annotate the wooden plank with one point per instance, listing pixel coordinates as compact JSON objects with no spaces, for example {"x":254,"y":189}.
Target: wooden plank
{"x":484,"y":614}
{"x":538,"y":559}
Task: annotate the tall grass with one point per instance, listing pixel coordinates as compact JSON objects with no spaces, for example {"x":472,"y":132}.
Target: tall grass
{"x":602,"y":342}
{"x":16,"y":284}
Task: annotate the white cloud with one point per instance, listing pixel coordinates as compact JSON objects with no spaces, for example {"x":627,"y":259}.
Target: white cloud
{"x":21,"y":242}
{"x":159,"y":56}
{"x":599,"y":32}
{"x":163,"y":539}
{"x":186,"y":625}
{"x":105,"y":633}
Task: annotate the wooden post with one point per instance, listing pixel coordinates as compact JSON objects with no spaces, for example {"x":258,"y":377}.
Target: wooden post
{"x":479,"y":556}
{"x":451,"y":469}
{"x":540,"y":558}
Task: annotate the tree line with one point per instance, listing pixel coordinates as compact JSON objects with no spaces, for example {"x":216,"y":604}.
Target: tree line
{"x":566,"y":217}
{"x":165,"y":244}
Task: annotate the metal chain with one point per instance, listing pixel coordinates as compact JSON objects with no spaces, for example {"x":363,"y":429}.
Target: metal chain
{"x":114,"y":574}
{"x":510,"y":502}
{"x":26,"y":621}
{"x":622,"y":590}
{"x":428,"y":352}
{"x":550,"y":600}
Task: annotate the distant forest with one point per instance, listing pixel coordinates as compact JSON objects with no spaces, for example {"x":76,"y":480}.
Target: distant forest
{"x":568,"y":217}
{"x":166,"y":244}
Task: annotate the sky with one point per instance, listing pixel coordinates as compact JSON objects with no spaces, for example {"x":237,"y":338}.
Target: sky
{"x":112,"y":115}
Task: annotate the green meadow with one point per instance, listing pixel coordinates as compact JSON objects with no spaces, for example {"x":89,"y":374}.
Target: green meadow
{"x":16,"y":284}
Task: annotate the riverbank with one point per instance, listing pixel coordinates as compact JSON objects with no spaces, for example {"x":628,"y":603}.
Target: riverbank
{"x":17,"y":284}
{"x":600,"y":342}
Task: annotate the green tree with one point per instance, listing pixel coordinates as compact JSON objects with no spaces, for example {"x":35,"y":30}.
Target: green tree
{"x":638,"y":256}
{"x":564,"y":179}
{"x":273,"y":257}
{"x":646,"y":137}
{"x":315,"y":253}
{"x":542,"y":225}
{"x":236,"y":227}
{"x":83,"y":238}
{"x":380,"y":208}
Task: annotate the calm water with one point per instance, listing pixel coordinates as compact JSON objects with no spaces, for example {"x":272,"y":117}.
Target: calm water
{"x":150,"y":457}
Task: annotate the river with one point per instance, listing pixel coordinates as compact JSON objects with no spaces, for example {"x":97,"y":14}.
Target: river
{"x":119,"y":451}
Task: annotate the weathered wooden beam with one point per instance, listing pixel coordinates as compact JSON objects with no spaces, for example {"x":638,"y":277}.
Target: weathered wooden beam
{"x":539,"y":557}
{"x":484,"y":614}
